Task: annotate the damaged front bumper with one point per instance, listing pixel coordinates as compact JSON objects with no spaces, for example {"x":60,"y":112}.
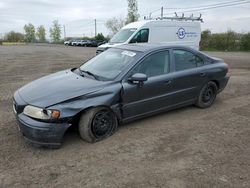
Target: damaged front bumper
{"x":41,"y":133}
{"x":36,"y":131}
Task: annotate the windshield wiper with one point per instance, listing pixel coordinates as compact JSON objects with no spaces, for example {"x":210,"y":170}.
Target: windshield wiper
{"x":90,"y":73}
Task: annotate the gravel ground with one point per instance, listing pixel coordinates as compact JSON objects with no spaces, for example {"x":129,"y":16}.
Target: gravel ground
{"x":188,"y":147}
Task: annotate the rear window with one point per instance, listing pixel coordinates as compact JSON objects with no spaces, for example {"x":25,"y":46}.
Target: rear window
{"x":186,"y":60}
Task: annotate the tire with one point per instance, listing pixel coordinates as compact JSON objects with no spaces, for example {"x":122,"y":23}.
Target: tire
{"x":89,"y":124}
{"x":207,"y":95}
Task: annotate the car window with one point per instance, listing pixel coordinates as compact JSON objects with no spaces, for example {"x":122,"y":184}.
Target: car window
{"x":141,"y":36}
{"x":122,"y":35}
{"x":154,"y":65}
{"x":109,"y":64}
{"x":186,"y":60}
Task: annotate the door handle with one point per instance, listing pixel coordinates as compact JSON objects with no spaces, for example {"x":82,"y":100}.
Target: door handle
{"x":167,"y":82}
{"x":202,"y":74}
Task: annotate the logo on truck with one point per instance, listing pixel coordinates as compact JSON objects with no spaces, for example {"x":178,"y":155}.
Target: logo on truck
{"x":181,"y":33}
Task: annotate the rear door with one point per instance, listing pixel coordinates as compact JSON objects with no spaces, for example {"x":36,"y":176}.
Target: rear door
{"x":155,"y":93}
{"x":190,"y":75}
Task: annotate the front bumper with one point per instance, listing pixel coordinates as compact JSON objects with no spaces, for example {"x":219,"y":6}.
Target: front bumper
{"x":35,"y":131}
{"x":41,"y":133}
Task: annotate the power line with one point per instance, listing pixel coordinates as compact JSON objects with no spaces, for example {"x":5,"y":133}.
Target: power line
{"x":200,"y":8}
{"x":208,"y":8}
{"x":194,"y":7}
{"x":151,"y":12}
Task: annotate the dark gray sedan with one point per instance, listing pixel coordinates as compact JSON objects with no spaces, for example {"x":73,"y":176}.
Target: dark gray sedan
{"x":119,"y":85}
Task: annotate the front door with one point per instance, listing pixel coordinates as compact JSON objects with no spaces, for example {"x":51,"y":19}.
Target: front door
{"x":155,"y":93}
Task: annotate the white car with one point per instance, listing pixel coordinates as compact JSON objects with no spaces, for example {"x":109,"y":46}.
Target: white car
{"x":68,"y":42}
{"x":75,"y":43}
{"x":80,"y":43}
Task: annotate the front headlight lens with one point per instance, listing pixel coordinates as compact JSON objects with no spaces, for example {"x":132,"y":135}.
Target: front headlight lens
{"x":40,"y":113}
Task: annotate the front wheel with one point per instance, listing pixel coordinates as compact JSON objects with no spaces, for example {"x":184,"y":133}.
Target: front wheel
{"x":207,"y":95}
{"x":97,"y":124}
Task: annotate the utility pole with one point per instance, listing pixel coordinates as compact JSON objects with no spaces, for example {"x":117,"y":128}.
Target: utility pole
{"x":64,"y":31}
{"x":161,"y":12}
{"x":95,"y":27}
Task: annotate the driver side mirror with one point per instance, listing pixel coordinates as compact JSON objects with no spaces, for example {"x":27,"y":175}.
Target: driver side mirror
{"x":138,"y":78}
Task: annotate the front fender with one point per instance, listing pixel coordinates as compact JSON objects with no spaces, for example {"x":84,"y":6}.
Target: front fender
{"x":109,"y":96}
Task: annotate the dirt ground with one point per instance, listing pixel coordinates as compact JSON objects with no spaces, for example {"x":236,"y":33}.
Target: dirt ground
{"x":188,"y":147}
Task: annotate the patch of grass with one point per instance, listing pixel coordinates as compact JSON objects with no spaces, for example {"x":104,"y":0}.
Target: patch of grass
{"x":216,"y":50}
{"x":13,"y":43}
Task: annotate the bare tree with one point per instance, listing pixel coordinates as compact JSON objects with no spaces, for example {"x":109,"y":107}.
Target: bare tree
{"x":133,"y":15}
{"x":114,"y":24}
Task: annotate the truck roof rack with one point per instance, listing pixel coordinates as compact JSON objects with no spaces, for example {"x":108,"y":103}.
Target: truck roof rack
{"x":180,"y":18}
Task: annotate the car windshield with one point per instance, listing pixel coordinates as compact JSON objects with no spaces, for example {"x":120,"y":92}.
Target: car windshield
{"x":109,"y":64}
{"x":122,"y":36}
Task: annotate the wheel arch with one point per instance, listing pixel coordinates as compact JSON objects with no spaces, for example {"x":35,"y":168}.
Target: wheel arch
{"x":113,"y":110}
{"x":217,"y":83}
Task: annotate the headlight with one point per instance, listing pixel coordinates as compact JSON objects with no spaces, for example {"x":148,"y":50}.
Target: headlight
{"x":40,"y":113}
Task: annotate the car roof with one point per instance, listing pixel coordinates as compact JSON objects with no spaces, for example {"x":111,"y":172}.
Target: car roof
{"x":147,"y":47}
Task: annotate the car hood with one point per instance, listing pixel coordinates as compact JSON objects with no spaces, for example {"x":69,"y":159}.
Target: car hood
{"x":58,"y":87}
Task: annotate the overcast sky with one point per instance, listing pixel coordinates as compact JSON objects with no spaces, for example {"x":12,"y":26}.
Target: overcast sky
{"x":78,"y":15}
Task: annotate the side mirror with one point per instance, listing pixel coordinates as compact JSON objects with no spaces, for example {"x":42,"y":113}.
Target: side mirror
{"x":138,"y":78}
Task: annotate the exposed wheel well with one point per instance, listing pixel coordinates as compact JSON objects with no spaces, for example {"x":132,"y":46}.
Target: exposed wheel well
{"x":217,"y":83}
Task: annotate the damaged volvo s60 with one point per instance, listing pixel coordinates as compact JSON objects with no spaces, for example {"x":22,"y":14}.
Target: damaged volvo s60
{"x":119,"y":85}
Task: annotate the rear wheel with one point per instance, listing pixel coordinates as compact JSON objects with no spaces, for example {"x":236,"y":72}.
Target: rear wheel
{"x":97,"y":124}
{"x":207,"y":95}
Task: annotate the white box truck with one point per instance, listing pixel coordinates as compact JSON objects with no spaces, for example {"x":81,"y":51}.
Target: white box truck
{"x":177,"y":32}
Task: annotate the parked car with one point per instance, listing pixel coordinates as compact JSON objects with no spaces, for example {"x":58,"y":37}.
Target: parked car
{"x":75,"y":43}
{"x":96,"y":43}
{"x":92,"y":43}
{"x":81,"y":43}
{"x":70,"y":42}
{"x":85,"y":43}
{"x":117,"y":86}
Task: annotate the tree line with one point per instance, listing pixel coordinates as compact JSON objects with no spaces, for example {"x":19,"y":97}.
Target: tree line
{"x":228,"y":41}
{"x":32,"y":34}
{"x":98,"y":37}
